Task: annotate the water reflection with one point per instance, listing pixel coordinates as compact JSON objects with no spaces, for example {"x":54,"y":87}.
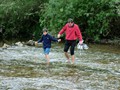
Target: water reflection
{"x":24,"y":68}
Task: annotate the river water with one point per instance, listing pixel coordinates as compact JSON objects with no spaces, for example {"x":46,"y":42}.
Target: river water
{"x":24,"y":68}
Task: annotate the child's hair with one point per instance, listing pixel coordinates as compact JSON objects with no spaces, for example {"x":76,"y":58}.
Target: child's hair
{"x":45,"y":29}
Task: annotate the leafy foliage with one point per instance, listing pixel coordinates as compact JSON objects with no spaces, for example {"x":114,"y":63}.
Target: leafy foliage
{"x":25,"y":18}
{"x":93,"y":16}
{"x":19,"y":18}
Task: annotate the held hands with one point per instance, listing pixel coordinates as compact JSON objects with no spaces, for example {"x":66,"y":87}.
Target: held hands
{"x":59,"y":40}
{"x":58,"y":35}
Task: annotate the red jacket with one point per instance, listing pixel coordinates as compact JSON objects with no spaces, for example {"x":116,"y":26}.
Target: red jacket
{"x":72,"y":33}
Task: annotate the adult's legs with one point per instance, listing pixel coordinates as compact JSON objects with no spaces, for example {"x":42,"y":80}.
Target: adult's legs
{"x":73,"y":59}
{"x":67,"y":56}
{"x":72,"y":51}
{"x":67,"y":45}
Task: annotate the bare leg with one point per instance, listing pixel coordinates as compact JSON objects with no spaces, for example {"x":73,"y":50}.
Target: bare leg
{"x":48,"y":59}
{"x":67,"y":56}
{"x":73,"y":59}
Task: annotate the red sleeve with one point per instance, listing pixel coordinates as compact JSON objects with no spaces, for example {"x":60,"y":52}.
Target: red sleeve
{"x":63,"y":30}
{"x":78,"y":33}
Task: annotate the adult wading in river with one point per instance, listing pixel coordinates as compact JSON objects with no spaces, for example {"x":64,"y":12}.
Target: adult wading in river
{"x":46,"y":40}
{"x":72,"y":32}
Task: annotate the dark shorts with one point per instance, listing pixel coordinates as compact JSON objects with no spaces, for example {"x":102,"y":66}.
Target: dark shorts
{"x":70,"y":44}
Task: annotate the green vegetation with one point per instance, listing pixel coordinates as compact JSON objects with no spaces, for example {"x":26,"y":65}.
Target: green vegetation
{"x":24,"y":18}
{"x":20,"y":18}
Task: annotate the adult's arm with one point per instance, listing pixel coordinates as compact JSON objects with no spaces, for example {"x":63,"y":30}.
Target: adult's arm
{"x":79,"y":35}
{"x":62,"y":31}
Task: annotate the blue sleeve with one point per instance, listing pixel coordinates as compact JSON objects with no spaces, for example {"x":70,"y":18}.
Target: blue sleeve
{"x":53,"y":39}
{"x":40,"y":40}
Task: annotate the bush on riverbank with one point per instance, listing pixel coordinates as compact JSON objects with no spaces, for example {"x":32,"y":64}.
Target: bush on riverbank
{"x":25,"y":19}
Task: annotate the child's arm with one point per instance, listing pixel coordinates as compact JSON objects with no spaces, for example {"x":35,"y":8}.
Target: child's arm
{"x":55,"y":39}
{"x":40,"y":40}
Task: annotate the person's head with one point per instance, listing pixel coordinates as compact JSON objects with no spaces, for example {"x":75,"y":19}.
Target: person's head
{"x":45,"y":31}
{"x":70,"y":22}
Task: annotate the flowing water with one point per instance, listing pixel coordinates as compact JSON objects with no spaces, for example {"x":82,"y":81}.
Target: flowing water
{"x":24,"y":68}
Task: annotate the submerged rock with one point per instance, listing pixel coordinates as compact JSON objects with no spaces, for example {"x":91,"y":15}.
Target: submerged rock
{"x":5,"y":46}
{"x":30,"y":43}
{"x":33,"y":43}
{"x":19,"y":44}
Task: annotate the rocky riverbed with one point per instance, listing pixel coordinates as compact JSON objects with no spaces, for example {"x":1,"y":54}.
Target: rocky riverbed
{"x":24,"y":68}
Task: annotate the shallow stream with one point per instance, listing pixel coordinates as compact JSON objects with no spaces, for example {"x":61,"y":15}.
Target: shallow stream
{"x":24,"y":68}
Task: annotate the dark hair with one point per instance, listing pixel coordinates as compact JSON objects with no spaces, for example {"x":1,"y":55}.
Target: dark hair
{"x":45,"y":29}
{"x":70,"y":20}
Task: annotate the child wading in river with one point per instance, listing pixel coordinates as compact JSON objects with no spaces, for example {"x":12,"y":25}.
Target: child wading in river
{"x":46,"y":40}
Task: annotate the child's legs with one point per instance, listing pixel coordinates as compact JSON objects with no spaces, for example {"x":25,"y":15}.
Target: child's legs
{"x":47,"y":58}
{"x":46,"y":52}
